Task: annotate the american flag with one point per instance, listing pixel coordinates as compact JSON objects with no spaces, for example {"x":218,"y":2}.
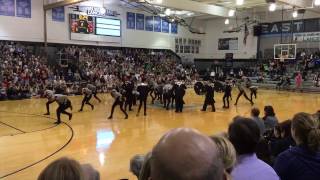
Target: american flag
{"x":246,"y":34}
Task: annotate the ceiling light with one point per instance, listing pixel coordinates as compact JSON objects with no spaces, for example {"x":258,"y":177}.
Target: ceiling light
{"x":167,"y":12}
{"x":317,"y":2}
{"x":240,"y":2}
{"x":226,"y":22}
{"x":231,"y":12}
{"x":295,"y":14}
{"x":159,"y":1}
{"x":272,"y":7}
{"x":190,"y":14}
{"x":162,"y":15}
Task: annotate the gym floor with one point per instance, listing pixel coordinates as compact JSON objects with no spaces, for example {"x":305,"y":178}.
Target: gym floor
{"x":29,"y":141}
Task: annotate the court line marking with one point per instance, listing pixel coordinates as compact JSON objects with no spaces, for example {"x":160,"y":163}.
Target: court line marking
{"x":47,"y":157}
{"x":12,"y":127}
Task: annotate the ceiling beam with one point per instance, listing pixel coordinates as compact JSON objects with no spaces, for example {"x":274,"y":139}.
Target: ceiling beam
{"x":194,"y":7}
{"x":62,"y":3}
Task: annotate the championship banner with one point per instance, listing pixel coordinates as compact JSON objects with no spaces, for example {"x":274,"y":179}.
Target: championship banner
{"x":23,"y":8}
{"x":157,"y":24}
{"x":7,"y":8}
{"x":174,"y":28}
{"x":140,"y":21}
{"x":149,"y":23}
{"x":165,"y":26}
{"x":58,"y":14}
{"x":131,"y":20}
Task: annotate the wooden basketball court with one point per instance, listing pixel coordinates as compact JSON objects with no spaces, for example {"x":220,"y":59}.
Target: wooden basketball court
{"x":30,"y":141}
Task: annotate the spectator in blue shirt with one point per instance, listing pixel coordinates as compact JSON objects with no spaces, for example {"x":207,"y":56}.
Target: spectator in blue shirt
{"x":244,"y":134}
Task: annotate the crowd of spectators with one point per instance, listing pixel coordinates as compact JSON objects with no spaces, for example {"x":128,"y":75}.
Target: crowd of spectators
{"x":186,"y":154}
{"x":24,"y":75}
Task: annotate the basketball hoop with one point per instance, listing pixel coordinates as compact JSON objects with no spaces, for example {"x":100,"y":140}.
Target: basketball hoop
{"x":285,"y":51}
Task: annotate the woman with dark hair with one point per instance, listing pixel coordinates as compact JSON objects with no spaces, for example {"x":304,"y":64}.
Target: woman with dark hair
{"x":303,"y":161}
{"x":283,"y":138}
{"x":270,"y":119}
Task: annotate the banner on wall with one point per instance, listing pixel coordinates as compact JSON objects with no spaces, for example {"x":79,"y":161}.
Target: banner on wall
{"x":58,"y":14}
{"x":174,"y":28}
{"x":307,"y":37}
{"x":228,"y":44}
{"x":131,"y":20}
{"x":157,"y":23}
{"x":140,"y":21}
{"x":7,"y":7}
{"x":149,"y":23}
{"x":165,"y":26}
{"x":23,"y":8}
{"x":297,"y":26}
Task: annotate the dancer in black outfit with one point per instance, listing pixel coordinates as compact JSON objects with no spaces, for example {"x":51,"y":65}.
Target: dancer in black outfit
{"x":50,"y":96}
{"x":128,"y":87}
{"x":167,"y":95}
{"x":143,"y":91}
{"x":227,"y":94}
{"x":242,"y":92}
{"x":209,"y":100}
{"x":64,"y":103}
{"x":86,"y":99}
{"x":118,"y":101}
{"x":179,"y":91}
{"x":93,"y":88}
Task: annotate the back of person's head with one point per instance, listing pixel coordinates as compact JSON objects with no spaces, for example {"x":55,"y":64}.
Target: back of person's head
{"x":269,"y":111}
{"x":244,"y":134}
{"x":136,"y":164}
{"x":186,"y":154}
{"x":145,"y":172}
{"x":227,"y":151}
{"x":305,"y":131}
{"x":255,"y":112}
{"x":285,"y":128}
{"x":62,"y":169}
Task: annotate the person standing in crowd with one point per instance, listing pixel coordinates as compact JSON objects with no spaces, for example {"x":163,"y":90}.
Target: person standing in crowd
{"x":242,"y":92}
{"x":270,"y":119}
{"x":118,"y":101}
{"x":64,"y":103}
{"x":255,"y":112}
{"x":244,"y":134}
{"x":93,"y":88}
{"x":209,"y":97}
{"x":86,"y":99}
{"x":227,"y":94}
{"x":179,"y":91}
{"x":298,"y":80}
{"x":301,"y":162}
{"x":49,"y":94}
{"x":143,"y":91}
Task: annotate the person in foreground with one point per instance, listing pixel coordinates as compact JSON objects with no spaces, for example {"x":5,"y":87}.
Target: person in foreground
{"x":244,"y":134}
{"x":301,"y":162}
{"x":68,"y":169}
{"x":186,"y":154}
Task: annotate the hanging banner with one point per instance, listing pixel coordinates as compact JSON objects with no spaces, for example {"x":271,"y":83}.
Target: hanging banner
{"x":131,"y":20}
{"x":7,"y":8}
{"x":140,"y":21}
{"x":157,"y":24}
{"x":307,"y":37}
{"x":58,"y":14}
{"x":149,"y":23}
{"x":23,"y":8}
{"x":165,"y":26}
{"x":174,"y":28}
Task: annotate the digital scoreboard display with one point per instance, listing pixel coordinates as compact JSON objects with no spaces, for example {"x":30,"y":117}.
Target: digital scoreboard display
{"x":108,"y":27}
{"x":82,"y":24}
